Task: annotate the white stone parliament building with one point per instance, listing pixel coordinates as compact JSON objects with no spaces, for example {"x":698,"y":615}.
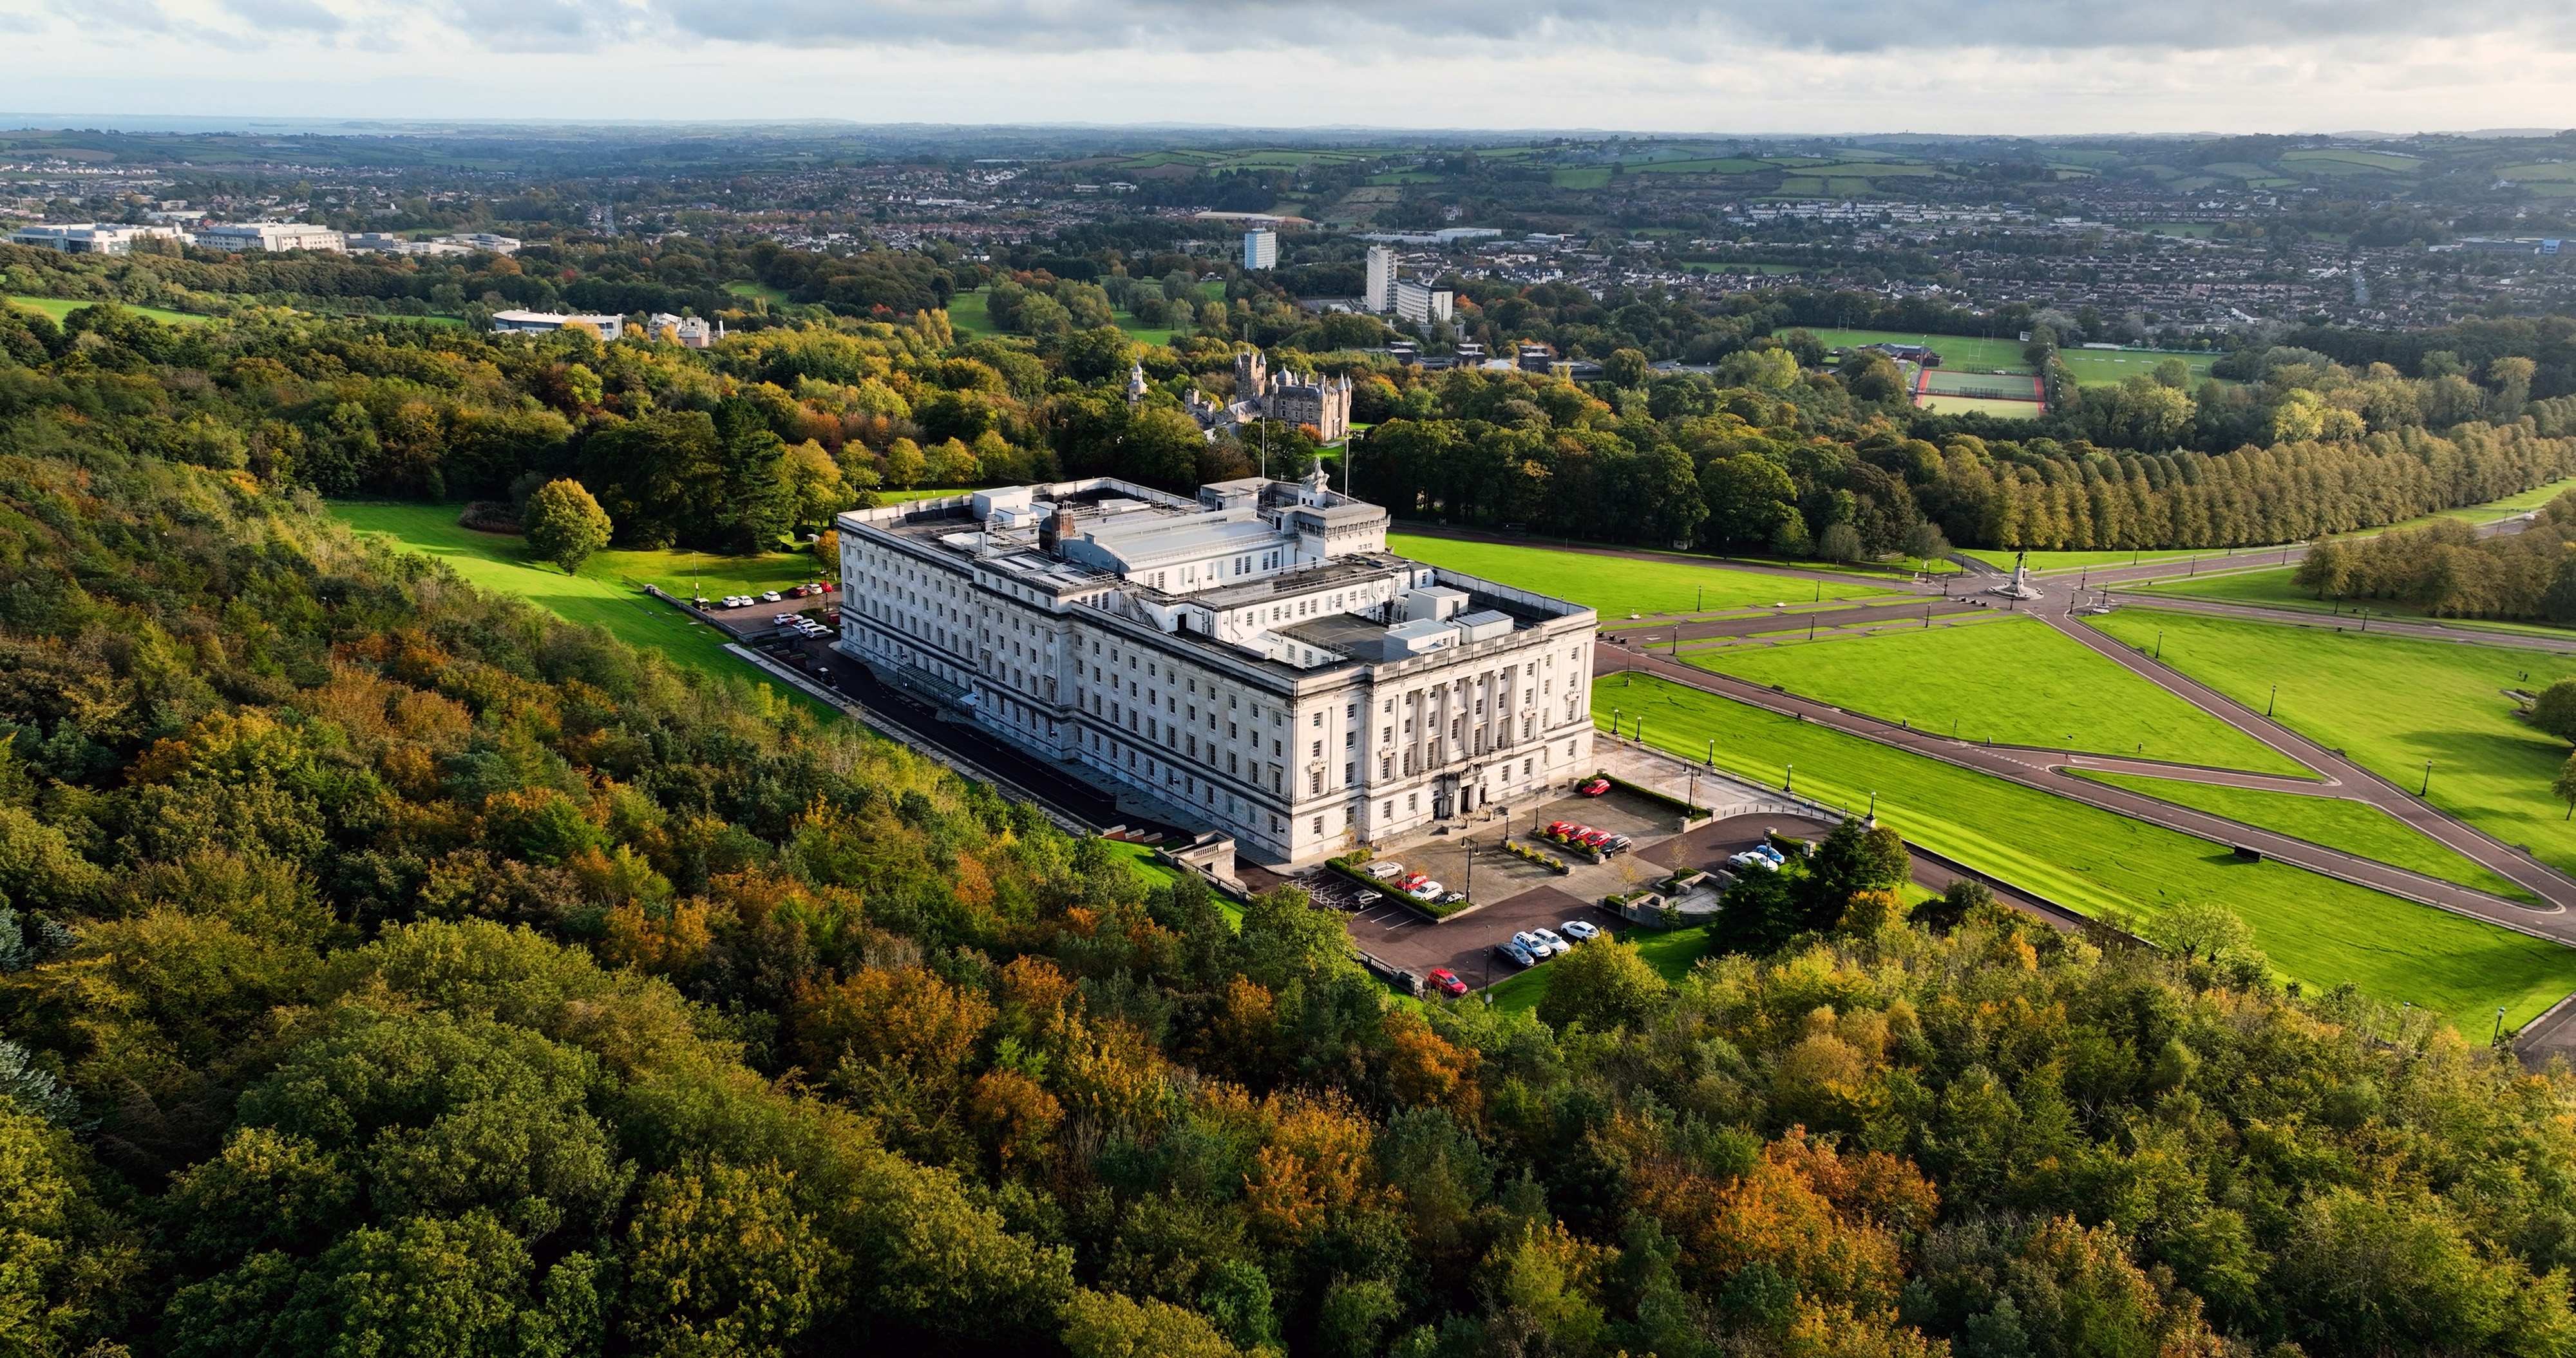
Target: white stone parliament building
{"x":1254,"y":658}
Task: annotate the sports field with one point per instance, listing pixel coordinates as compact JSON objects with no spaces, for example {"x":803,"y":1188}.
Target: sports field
{"x":1971,"y":354}
{"x":1615,"y":587}
{"x":58,"y":308}
{"x":2108,"y":367}
{"x":1956,"y":351}
{"x":1981,"y":405}
{"x":1946,"y":382}
{"x":602,"y":594}
{"x":2392,"y":703}
{"x":2011,"y":680}
{"x":2354,"y":827}
{"x":2317,"y":930}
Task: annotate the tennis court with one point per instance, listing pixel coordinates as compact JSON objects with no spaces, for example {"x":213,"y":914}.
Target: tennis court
{"x":1993,"y":386}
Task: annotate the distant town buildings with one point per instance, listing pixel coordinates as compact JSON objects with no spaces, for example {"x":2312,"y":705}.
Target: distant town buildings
{"x":378,"y":242}
{"x":547,"y":322}
{"x":689,"y":332}
{"x":1424,"y":303}
{"x":91,"y":238}
{"x":1261,"y":249}
{"x":271,"y":236}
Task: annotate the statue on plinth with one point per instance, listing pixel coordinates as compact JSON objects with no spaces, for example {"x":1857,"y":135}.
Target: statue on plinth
{"x":2019,"y":587}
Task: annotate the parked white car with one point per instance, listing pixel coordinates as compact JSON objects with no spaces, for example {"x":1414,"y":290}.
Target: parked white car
{"x":1579,"y":931}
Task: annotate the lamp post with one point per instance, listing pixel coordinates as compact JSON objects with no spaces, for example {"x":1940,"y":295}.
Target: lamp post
{"x":2272,"y":701}
{"x":2160,"y":645}
{"x":1712,"y":752}
{"x":1471,"y":869}
{"x":2427,"y":789}
{"x":1788,"y":778}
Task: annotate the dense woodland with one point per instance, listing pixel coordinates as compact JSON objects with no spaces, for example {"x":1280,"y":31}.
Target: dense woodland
{"x":386,"y":967}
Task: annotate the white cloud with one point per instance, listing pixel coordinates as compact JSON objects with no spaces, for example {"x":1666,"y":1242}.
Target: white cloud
{"x":2030,"y":66}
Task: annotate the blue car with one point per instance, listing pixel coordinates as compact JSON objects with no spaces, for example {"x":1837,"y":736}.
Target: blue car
{"x":1515,"y":953}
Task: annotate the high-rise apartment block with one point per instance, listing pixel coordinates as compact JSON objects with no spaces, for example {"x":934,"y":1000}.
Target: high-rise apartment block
{"x":1424,"y":303}
{"x":1381,"y":279}
{"x":1254,"y":659}
{"x":1260,"y":249}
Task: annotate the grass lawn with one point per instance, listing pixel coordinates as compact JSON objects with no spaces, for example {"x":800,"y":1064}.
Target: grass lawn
{"x":2511,"y":505}
{"x":2069,"y":561}
{"x":2014,"y":680}
{"x":597,"y":596}
{"x":1672,"y":955}
{"x":2317,"y":930}
{"x":2392,"y":703}
{"x":2105,"y":367}
{"x":2353,"y":827}
{"x":898,"y":497}
{"x":758,"y":292}
{"x":967,"y":315}
{"x":682,"y":572}
{"x":2272,"y":589}
{"x":59,"y":307}
{"x":1618,"y":586}
{"x":970,"y":315}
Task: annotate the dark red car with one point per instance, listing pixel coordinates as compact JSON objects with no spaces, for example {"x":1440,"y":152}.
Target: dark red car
{"x":1595,"y":787}
{"x":1448,"y":982}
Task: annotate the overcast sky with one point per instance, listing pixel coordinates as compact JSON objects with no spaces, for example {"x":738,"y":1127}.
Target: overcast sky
{"x":2016,"y":66}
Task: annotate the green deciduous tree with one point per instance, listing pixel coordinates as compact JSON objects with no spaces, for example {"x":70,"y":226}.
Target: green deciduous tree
{"x":564,"y":524}
{"x":1603,"y":984}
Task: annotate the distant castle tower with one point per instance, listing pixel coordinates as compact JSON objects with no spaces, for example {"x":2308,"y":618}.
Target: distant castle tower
{"x":1135,"y":383}
{"x":1251,"y":376}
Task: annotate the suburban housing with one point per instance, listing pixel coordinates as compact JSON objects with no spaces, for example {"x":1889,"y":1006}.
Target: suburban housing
{"x":1253,"y":659}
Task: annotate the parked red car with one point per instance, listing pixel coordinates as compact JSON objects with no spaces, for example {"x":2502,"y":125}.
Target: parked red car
{"x":1448,"y":982}
{"x":1595,"y":787}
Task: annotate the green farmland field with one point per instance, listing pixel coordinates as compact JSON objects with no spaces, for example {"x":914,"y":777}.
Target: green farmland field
{"x":2012,"y":680}
{"x":2354,"y":827}
{"x":2392,"y":703}
{"x":1615,"y":587}
{"x":2316,"y":930}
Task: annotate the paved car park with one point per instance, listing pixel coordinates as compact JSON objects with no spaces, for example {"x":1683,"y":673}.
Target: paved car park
{"x":1518,"y":895}
{"x":1523,"y":896}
